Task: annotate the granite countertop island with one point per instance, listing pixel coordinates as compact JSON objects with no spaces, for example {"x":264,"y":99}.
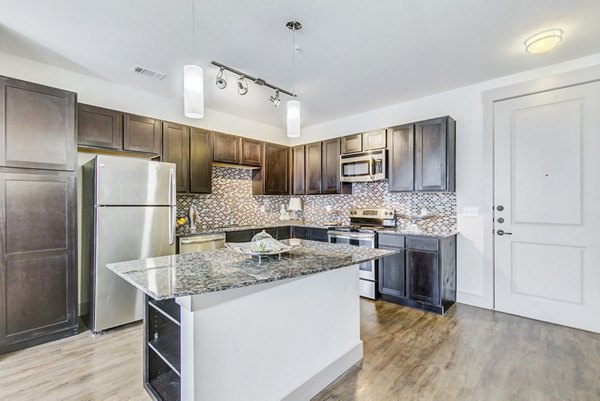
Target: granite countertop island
{"x":222,"y":269}
{"x":223,"y":326}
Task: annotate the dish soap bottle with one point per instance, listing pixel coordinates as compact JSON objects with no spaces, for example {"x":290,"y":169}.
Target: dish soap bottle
{"x":283,"y":214}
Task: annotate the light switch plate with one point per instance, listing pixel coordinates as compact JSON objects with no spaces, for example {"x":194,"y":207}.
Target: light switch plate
{"x":471,"y":211}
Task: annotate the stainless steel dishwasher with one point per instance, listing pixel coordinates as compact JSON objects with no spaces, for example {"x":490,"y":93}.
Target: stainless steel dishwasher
{"x":200,"y":243}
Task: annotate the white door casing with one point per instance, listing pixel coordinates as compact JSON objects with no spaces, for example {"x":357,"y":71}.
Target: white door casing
{"x":547,"y":179}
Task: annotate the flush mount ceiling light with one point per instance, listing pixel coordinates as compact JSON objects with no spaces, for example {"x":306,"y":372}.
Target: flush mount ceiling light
{"x":544,"y":41}
{"x":242,"y":85}
{"x":275,"y":99}
{"x":221,"y":78}
{"x":193,"y":81}
{"x":293,"y":106}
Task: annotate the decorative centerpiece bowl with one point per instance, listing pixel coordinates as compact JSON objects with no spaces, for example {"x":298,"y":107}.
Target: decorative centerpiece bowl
{"x":262,"y":244}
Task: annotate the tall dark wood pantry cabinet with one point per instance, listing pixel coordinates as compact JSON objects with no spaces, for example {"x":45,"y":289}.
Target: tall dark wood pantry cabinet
{"x":38,"y":268}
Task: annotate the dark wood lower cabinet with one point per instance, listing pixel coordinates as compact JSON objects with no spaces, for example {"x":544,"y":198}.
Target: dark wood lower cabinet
{"x":392,"y":273}
{"x":422,"y":274}
{"x":300,"y":232}
{"x":280,"y":233}
{"x":38,"y":263}
{"x":162,"y":349}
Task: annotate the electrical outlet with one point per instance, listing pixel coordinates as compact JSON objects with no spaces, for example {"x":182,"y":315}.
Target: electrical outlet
{"x":328,"y":208}
{"x":263,"y":208}
{"x":471,"y":211}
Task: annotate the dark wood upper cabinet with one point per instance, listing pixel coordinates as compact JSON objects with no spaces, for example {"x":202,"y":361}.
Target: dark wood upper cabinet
{"x":142,"y":134}
{"x":297,"y":155}
{"x":99,"y":127}
{"x":251,"y":152}
{"x":435,"y":150}
{"x":352,"y":143}
{"x":273,"y":177}
{"x":37,"y":126}
{"x":330,"y":178}
{"x":314,"y":158}
{"x":374,"y":140}
{"x":176,"y":149}
{"x":401,"y":158}
{"x":201,"y":147}
{"x":226,"y":148}
{"x":38,"y":264}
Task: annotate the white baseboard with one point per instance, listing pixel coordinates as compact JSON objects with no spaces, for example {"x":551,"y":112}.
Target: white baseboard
{"x":325,"y":377}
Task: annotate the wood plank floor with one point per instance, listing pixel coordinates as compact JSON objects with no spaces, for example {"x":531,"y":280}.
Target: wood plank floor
{"x":470,"y":354}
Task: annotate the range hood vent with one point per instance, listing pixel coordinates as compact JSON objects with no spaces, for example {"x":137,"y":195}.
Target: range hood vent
{"x":148,"y":72}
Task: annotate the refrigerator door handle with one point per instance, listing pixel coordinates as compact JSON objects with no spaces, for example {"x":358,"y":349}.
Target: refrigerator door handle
{"x":172,"y":200}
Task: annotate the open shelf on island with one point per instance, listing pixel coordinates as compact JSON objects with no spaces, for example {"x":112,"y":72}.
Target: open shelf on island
{"x":169,"y":349}
{"x":163,"y":383}
{"x":162,"y":350}
{"x":168,"y":307}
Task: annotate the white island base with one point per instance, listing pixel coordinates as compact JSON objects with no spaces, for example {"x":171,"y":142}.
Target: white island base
{"x":283,"y":340}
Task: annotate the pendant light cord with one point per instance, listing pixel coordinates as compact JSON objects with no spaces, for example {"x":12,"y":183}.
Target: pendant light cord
{"x":194,"y":31}
{"x":294,"y":61}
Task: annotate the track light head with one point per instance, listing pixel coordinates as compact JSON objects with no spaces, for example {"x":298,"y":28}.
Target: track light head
{"x":221,"y":79}
{"x":242,"y":85}
{"x":275,"y":99}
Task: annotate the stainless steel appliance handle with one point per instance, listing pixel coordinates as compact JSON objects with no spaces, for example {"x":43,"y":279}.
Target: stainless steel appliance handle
{"x":200,"y":241}
{"x":371,"y":165}
{"x":173,"y":211}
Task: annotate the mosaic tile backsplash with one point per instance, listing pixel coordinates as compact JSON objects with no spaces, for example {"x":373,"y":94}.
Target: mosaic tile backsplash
{"x":232,"y":201}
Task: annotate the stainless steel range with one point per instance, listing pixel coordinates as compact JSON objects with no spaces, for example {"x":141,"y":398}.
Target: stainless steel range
{"x":362,"y":232}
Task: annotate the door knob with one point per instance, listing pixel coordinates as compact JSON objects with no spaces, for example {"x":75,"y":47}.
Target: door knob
{"x":500,"y":208}
{"x":502,"y":232}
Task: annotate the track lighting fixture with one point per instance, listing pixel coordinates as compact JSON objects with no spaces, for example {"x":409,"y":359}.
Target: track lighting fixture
{"x":221,"y":78}
{"x":242,"y":85}
{"x":275,"y":99}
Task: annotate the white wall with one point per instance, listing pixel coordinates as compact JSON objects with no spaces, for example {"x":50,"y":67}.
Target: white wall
{"x":474,"y":149}
{"x":474,"y":164}
{"x":102,"y":93}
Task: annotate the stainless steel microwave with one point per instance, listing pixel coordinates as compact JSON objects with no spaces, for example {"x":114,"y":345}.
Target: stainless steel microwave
{"x":363,"y":167}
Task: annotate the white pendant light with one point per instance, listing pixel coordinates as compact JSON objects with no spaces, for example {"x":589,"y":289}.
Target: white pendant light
{"x":293,"y":118}
{"x":193,"y":91}
{"x":193,"y":80}
{"x":293,"y":106}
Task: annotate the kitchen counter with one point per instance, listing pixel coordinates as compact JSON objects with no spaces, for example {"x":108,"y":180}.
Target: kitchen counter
{"x":278,"y":330}
{"x":441,"y":233}
{"x":222,"y":269}
{"x":218,"y":230}
{"x":434,"y":234}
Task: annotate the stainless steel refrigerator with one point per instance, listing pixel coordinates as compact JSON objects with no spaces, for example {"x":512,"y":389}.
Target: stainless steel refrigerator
{"x":128,"y":212}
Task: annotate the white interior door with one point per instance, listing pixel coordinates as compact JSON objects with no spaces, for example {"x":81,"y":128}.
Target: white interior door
{"x":547,"y":204}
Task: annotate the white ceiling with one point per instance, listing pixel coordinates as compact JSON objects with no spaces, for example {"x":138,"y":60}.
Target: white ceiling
{"x":356,"y":55}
